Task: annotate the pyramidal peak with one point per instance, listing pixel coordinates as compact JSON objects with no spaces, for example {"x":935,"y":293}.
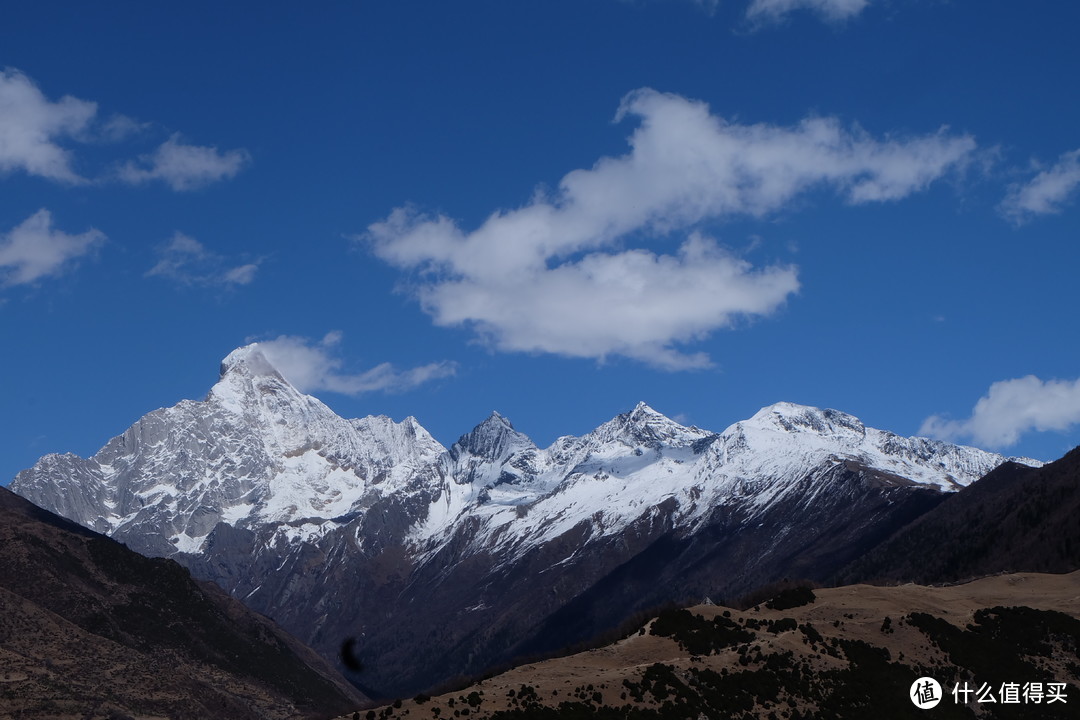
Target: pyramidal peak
{"x":248,"y":360}
{"x":248,"y":379}
{"x":644,"y":415}
{"x":642,"y":412}
{"x":495,"y":419}
{"x":495,"y":425}
{"x":492,"y":438}
{"x":645,"y":426}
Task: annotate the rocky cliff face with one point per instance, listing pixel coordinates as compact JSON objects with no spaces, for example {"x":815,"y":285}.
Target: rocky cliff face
{"x":441,"y":562}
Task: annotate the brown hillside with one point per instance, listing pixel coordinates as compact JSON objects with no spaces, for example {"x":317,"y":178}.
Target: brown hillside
{"x":851,"y":653}
{"x":90,"y":629}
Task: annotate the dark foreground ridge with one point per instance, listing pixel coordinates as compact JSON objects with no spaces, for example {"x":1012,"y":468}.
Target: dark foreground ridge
{"x":90,"y":629}
{"x":1015,"y":519}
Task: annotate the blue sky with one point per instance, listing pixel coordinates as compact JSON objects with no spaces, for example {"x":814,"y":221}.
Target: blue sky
{"x":550,"y":209}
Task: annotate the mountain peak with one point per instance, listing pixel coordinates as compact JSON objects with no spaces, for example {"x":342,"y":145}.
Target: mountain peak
{"x":248,"y":375}
{"x":792,"y":417}
{"x":643,"y":410}
{"x":645,"y":426}
{"x":496,"y":420}
{"x":248,"y":360}
{"x":644,"y":416}
{"x":491,"y":439}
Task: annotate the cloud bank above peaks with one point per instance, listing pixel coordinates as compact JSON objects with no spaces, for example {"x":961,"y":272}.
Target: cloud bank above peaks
{"x":1010,"y":409}
{"x":553,"y":276}
{"x":315,"y":366}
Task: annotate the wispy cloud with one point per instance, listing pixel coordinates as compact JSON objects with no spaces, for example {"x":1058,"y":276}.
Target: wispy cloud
{"x":1047,"y":192}
{"x":241,"y":274}
{"x":32,"y":128}
{"x":551,"y":277}
{"x":121,"y":127}
{"x":185,"y":260}
{"x":1010,"y":409}
{"x":831,"y":10}
{"x":184,"y":167}
{"x":35,"y":249}
{"x":314,"y":366}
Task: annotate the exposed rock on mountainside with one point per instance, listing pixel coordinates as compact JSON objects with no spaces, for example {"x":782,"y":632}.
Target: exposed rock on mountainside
{"x":442,"y":562}
{"x":90,"y":629}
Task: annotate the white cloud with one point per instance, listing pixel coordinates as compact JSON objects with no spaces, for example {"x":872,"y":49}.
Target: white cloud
{"x":315,"y":366}
{"x":187,"y":261}
{"x":32,"y":126}
{"x":832,"y":10}
{"x":1010,"y":409}
{"x":184,"y":167}
{"x":34,"y":249}
{"x":1047,"y":192}
{"x":550,"y":277}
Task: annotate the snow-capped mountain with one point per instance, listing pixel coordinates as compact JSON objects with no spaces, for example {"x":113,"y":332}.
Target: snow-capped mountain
{"x":255,"y":452}
{"x":447,"y":560}
{"x":641,"y":459}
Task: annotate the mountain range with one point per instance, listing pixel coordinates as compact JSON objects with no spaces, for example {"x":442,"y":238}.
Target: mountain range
{"x":430,"y":562}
